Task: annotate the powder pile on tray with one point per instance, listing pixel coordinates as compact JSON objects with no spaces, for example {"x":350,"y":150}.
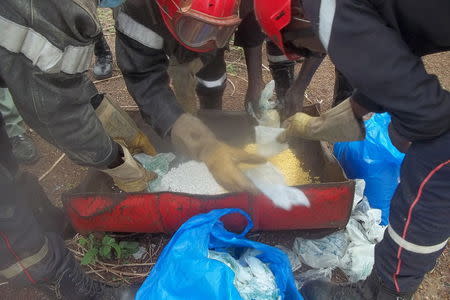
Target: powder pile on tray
{"x":191,"y":177}
{"x":289,"y":165}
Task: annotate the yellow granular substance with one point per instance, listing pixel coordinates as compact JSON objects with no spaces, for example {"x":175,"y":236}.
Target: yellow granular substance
{"x":289,"y":165}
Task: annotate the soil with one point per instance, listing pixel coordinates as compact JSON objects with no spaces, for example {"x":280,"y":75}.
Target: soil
{"x":66,"y":175}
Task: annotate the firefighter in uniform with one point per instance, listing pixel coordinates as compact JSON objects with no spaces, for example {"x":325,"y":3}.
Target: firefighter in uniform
{"x":378,"y":45}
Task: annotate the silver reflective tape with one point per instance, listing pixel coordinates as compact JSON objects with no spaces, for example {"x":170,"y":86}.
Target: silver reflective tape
{"x":25,"y":263}
{"x":326,"y":17}
{"x":413,"y":247}
{"x":43,"y":54}
{"x":213,"y":83}
{"x":138,"y":32}
{"x":277,"y":58}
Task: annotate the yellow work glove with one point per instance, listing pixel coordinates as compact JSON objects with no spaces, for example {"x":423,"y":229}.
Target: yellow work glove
{"x":130,"y":176}
{"x":338,"y":124}
{"x":192,"y":137}
{"x":119,"y":126}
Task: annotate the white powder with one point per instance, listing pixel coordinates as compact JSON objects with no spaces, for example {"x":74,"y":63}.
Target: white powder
{"x":191,"y":177}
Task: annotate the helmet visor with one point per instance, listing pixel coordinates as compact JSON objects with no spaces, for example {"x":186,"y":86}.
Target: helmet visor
{"x":197,"y":33}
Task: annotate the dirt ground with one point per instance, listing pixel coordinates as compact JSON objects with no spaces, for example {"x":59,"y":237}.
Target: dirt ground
{"x":67,"y":175}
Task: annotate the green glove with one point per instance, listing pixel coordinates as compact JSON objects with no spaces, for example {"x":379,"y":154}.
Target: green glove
{"x":338,"y":124}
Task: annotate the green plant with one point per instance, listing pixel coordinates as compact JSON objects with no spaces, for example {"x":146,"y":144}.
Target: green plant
{"x":107,"y":248}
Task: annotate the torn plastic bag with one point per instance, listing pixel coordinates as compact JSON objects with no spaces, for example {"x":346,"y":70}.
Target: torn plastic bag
{"x":160,"y":164}
{"x":253,"y":279}
{"x":375,"y":160}
{"x":271,"y":183}
{"x":313,"y":274}
{"x":322,"y":253}
{"x":184,"y":269}
{"x":351,"y":250}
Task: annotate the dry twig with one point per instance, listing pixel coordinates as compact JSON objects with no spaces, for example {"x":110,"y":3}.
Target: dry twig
{"x":110,"y":78}
{"x":52,"y":167}
{"x":232,"y":84}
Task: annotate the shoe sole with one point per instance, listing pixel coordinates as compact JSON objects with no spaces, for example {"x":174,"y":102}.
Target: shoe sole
{"x":101,"y":77}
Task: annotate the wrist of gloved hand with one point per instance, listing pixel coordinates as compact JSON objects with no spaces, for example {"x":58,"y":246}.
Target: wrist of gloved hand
{"x":190,"y":136}
{"x":120,"y":126}
{"x":336,"y":125}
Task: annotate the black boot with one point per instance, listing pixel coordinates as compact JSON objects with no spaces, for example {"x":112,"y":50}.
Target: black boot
{"x":103,"y":60}
{"x":370,"y":289}
{"x":74,"y":284}
{"x":283,"y":74}
{"x":24,"y":149}
{"x":210,"y":98}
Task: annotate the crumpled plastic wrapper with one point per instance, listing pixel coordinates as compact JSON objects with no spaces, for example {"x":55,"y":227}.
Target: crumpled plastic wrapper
{"x":253,"y":278}
{"x":271,"y":183}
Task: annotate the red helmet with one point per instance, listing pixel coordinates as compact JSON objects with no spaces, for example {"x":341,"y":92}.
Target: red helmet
{"x":201,"y":25}
{"x":273,"y":16}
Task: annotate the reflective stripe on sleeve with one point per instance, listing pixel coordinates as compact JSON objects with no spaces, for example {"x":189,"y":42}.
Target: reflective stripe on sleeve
{"x":326,"y":17}
{"x":138,"y":32}
{"x":47,"y":57}
{"x":213,"y":83}
{"x":25,"y":263}
{"x":413,"y":247}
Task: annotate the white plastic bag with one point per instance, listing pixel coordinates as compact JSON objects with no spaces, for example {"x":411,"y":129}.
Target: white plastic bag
{"x":266,"y":141}
{"x":272,"y":184}
{"x":253,"y":279}
{"x":352,"y":249}
{"x":322,"y":253}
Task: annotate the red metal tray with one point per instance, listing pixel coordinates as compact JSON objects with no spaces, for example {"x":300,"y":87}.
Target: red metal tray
{"x":94,"y":207}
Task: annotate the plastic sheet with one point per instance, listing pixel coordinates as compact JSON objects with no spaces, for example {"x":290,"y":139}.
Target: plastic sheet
{"x":352,"y":249}
{"x":313,"y":274}
{"x":253,"y":279}
{"x":160,"y":164}
{"x":375,"y":160}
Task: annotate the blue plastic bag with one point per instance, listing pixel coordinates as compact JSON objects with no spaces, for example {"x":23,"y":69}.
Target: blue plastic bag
{"x":184,"y":271}
{"x":376,"y":161}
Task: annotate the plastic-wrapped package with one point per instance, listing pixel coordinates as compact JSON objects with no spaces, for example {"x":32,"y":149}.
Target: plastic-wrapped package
{"x":253,"y":279}
{"x":272,"y":184}
{"x":322,"y":253}
{"x":160,"y":164}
